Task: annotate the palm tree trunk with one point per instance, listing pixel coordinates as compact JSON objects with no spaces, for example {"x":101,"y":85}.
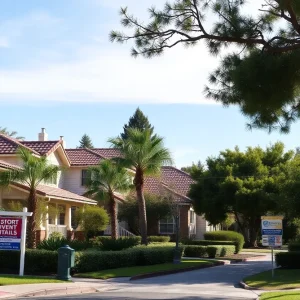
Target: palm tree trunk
{"x":113,"y":217}
{"x":139,"y":183}
{"x":31,"y":229}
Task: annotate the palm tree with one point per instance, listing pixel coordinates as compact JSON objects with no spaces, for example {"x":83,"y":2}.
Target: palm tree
{"x":104,"y":182}
{"x":35,"y":170}
{"x":13,"y":134}
{"x":146,"y":154}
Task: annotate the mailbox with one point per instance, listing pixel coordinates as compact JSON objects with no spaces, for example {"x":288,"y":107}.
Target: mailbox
{"x":66,"y":260}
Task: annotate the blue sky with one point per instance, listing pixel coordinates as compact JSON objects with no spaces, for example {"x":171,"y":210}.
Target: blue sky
{"x":58,"y":70}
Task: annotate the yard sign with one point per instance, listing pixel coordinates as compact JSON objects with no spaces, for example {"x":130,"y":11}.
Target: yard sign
{"x":13,"y":233}
{"x":271,"y":227}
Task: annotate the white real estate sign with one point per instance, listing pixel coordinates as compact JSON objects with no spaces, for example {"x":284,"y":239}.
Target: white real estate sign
{"x":271,"y":228}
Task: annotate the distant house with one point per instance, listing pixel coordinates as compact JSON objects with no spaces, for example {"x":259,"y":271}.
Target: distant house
{"x":66,"y":193}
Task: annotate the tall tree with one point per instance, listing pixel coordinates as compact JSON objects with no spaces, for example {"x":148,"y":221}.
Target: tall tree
{"x":138,"y":121}
{"x":35,"y":170}
{"x":13,"y":134}
{"x":145,"y":154}
{"x":262,"y":75}
{"x":85,"y":142}
{"x":104,"y":182}
{"x":195,"y":170}
{"x":245,"y":184}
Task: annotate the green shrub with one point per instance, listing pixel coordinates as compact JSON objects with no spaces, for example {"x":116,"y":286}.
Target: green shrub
{"x":36,"y":261}
{"x":208,"y":243}
{"x":209,"y":251}
{"x":140,"y":256}
{"x":159,"y":239}
{"x":55,"y":235}
{"x":109,"y":244}
{"x":195,"y":251}
{"x":294,"y":246}
{"x":53,"y":244}
{"x":289,"y":260}
{"x":236,"y":237}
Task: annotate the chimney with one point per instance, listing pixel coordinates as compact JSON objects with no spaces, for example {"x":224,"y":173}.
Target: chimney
{"x":63,"y":141}
{"x":43,"y":136}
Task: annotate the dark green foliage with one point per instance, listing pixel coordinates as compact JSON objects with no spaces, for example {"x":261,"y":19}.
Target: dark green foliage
{"x":233,"y":236}
{"x":36,"y":261}
{"x":195,"y":170}
{"x":289,"y":260}
{"x":85,"y":142}
{"x":261,"y":76}
{"x":138,"y":121}
{"x":109,"y":244}
{"x":159,"y":239}
{"x":53,"y":244}
{"x":209,"y":251}
{"x":294,"y":246}
{"x":208,"y":243}
{"x":157,"y":208}
{"x":246,"y":185}
{"x":140,"y":256}
{"x":195,"y":251}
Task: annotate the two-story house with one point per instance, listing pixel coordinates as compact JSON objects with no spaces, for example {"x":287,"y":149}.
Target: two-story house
{"x":66,"y":193}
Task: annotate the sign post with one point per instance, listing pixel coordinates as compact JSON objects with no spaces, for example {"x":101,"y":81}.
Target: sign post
{"x":271,"y":227}
{"x":13,"y":233}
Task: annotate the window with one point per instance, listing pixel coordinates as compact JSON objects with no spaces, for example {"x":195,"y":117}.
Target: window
{"x":192,"y":216}
{"x":61,"y":215}
{"x":85,"y":175}
{"x":167,"y":225}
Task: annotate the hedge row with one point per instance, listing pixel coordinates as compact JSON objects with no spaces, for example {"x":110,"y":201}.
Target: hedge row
{"x":140,"y":256}
{"x":232,"y":236}
{"x":42,"y":261}
{"x":106,"y":243}
{"x":209,"y":243}
{"x":53,"y":243}
{"x":36,"y":261}
{"x":209,"y":251}
{"x":289,"y":260}
{"x":159,"y":239}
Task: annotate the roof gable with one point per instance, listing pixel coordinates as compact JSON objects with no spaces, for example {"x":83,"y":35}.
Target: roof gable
{"x":83,"y":157}
{"x":43,"y":148}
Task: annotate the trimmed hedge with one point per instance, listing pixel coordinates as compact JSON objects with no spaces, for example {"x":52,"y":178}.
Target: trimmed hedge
{"x":140,"y":256}
{"x":109,"y":244}
{"x":36,"y":261}
{"x":209,"y":243}
{"x":209,"y":251}
{"x":159,"y":239}
{"x":288,"y":260}
{"x":232,"y":236}
{"x":294,"y":246}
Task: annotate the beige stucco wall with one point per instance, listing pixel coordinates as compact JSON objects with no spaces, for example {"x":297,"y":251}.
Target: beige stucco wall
{"x":72,"y":180}
{"x":11,"y":160}
{"x":200,"y":227}
{"x":54,"y":159}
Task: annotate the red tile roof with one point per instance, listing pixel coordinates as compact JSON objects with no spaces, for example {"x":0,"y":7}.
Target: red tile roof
{"x":48,"y":191}
{"x":107,"y":152}
{"x":83,"y":157}
{"x":43,"y":148}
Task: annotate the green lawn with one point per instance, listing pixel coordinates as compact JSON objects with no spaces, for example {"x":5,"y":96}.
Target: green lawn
{"x":283,"y":279}
{"x":13,"y":279}
{"x":132,"y":271}
{"x":281,"y":296}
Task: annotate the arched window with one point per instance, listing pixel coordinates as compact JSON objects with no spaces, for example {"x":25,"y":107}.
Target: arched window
{"x":167,"y":225}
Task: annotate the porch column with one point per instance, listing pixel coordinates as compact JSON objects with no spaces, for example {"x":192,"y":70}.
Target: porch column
{"x":68,"y":217}
{"x":55,"y":218}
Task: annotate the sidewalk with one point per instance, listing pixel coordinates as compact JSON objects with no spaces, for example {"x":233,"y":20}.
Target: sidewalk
{"x":77,"y":286}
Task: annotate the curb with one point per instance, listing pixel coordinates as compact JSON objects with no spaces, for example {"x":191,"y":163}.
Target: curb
{"x":162,"y":273}
{"x":57,"y":292}
{"x":245,"y":286}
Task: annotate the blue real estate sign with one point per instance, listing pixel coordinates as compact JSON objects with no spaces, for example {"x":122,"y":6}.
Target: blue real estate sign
{"x":271,"y":227}
{"x":10,"y":233}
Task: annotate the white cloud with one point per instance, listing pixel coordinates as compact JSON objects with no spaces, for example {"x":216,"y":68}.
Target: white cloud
{"x":114,"y":76}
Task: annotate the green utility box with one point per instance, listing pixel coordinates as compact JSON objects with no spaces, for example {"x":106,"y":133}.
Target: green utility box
{"x":66,"y":260}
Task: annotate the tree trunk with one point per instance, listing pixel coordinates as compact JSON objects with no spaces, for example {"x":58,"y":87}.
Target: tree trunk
{"x":254,"y":228}
{"x":113,"y":217}
{"x":31,"y":229}
{"x":139,"y":182}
